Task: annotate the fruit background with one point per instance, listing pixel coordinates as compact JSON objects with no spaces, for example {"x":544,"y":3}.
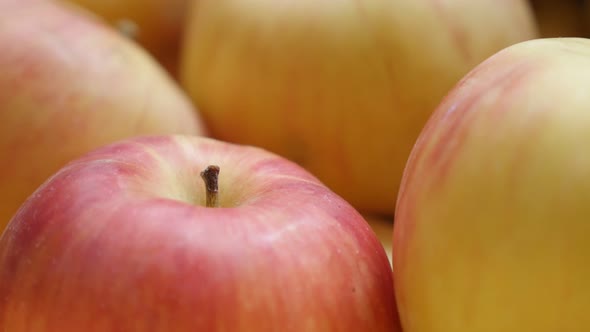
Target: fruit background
{"x":342,"y":88}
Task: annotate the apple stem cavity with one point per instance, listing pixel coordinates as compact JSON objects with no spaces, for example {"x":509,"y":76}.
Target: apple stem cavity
{"x":210,"y":176}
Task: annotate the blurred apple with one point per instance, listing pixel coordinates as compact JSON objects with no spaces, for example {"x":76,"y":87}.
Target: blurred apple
{"x":559,"y":18}
{"x":126,"y":238}
{"x":340,"y":87}
{"x":493,"y":220}
{"x":157,"y":25}
{"x":67,"y":85}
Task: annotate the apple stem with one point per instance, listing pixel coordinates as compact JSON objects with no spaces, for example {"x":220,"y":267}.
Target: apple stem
{"x":210,"y":176}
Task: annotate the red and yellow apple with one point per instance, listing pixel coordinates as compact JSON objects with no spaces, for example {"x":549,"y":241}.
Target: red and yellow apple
{"x":493,"y":219}
{"x":69,"y":84}
{"x":157,"y":24}
{"x":123,"y":239}
{"x":340,"y":87}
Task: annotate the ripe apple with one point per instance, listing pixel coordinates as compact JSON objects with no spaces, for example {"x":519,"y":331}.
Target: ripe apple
{"x":340,"y":87}
{"x":493,"y":221}
{"x":157,"y":25}
{"x":69,"y":84}
{"x":559,"y":18}
{"x":123,"y":239}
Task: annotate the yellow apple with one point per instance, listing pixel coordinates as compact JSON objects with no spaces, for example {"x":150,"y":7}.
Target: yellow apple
{"x":492,"y":225}
{"x":68,"y":84}
{"x":340,"y":87}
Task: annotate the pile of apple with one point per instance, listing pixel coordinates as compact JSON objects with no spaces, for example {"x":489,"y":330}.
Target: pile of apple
{"x":237,"y":165}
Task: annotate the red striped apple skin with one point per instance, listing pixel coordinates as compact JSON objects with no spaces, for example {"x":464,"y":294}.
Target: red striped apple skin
{"x":69,"y":84}
{"x":120,"y":240}
{"x":492,"y":223}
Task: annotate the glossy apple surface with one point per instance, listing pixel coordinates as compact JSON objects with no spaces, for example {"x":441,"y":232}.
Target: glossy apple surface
{"x":69,"y":84}
{"x":493,"y":220}
{"x":341,"y":87}
{"x":120,"y":239}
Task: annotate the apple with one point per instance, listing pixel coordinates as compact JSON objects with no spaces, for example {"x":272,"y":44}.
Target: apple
{"x":69,"y":84}
{"x":559,"y":18}
{"x":156,"y":25}
{"x":184,"y":233}
{"x":493,"y":221}
{"x":340,"y":87}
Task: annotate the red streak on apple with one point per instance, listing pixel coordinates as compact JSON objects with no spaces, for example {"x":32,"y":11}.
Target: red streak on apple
{"x":494,"y":185}
{"x":443,"y":136}
{"x":119,"y":241}
{"x":458,"y":113}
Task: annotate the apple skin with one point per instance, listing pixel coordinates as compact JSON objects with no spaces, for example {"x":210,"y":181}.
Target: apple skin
{"x":344,"y":91}
{"x":159,"y":23}
{"x":69,"y":84}
{"x":120,"y":239}
{"x":492,"y":223}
